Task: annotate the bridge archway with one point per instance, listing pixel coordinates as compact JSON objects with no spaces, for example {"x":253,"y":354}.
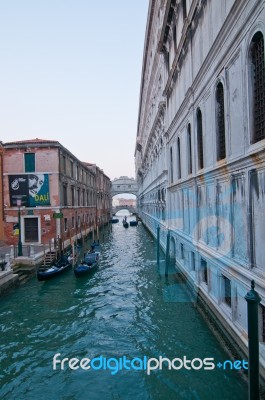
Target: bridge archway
{"x":124,"y":184}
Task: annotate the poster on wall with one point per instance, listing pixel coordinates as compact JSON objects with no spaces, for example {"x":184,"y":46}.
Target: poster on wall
{"x":32,"y":189}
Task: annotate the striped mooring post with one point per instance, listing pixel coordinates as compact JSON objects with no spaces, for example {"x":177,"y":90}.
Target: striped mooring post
{"x":253,"y":299}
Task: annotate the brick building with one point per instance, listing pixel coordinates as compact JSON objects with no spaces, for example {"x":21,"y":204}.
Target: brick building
{"x":1,"y":196}
{"x":60,"y":195}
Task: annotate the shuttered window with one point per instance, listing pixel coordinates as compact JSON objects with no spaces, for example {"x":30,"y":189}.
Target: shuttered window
{"x":29,"y":159}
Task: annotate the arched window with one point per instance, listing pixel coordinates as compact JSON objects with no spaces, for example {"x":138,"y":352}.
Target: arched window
{"x":220,"y":122}
{"x":171,"y":165}
{"x":199,"y":139}
{"x":179,"y":159}
{"x":257,"y":73}
{"x":189,"y":152}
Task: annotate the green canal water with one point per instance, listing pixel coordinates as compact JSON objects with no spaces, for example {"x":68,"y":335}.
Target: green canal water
{"x":126,"y":309}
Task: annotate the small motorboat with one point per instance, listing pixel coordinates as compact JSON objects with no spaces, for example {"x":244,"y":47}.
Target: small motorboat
{"x":133,"y":223}
{"x":114,"y":220}
{"x":88,"y":265}
{"x":46,"y":273}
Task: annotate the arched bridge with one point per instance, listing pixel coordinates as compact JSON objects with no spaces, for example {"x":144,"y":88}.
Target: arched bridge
{"x":124,"y":185}
{"x":131,"y":209}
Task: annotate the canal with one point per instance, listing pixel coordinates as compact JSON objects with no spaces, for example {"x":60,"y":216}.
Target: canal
{"x":126,"y":310}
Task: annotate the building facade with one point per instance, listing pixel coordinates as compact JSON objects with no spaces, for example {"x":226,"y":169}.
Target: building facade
{"x":1,"y":196}
{"x":200,"y":148}
{"x":58,"y":194}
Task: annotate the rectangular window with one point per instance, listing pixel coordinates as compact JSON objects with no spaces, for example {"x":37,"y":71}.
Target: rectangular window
{"x":31,"y":229}
{"x":204,"y":271}
{"x":72,"y":169}
{"x":73,"y":195}
{"x":184,"y":9}
{"x":65,"y":195}
{"x":227,"y":290}
{"x":181,"y":251}
{"x":78,"y":197}
{"x":64,"y":164}
{"x":65,"y":225}
{"x":192,"y":256}
{"x":29,"y":159}
{"x":171,"y":165}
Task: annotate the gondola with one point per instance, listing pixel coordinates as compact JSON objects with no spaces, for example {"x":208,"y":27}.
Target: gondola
{"x":89,"y":265}
{"x":46,"y":273}
{"x":125,"y":223}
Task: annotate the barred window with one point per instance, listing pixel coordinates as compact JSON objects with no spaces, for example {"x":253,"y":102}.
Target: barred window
{"x":199,"y":139}
{"x":220,"y":122}
{"x":204,"y":271}
{"x":65,"y":200}
{"x":175,"y":37}
{"x":182,"y":251}
{"x":226,"y":290}
{"x":179,"y":160}
{"x":192,"y":261}
{"x":184,"y":9}
{"x":171,"y":165}
{"x":258,"y":86}
{"x":189,"y":151}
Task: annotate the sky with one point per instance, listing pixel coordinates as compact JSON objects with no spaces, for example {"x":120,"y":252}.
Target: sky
{"x":71,"y":71}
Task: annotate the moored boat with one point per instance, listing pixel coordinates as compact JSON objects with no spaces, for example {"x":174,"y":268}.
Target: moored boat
{"x":125,"y":223}
{"x":88,"y":265}
{"x":46,"y":273}
{"x":114,"y":220}
{"x":133,"y":223}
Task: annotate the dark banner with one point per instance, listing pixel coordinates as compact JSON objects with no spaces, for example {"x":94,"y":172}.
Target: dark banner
{"x":32,"y":189}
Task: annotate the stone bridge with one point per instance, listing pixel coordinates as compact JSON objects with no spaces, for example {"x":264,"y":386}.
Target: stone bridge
{"x":131,"y":209}
{"x":124,"y":185}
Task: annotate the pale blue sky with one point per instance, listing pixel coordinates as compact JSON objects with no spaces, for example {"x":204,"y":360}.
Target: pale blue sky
{"x":71,"y":71}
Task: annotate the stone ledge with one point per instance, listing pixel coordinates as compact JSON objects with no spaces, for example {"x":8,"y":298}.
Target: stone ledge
{"x":8,"y":280}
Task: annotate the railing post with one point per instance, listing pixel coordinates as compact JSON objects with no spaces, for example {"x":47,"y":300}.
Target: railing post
{"x":253,"y":299}
{"x":158,"y":245}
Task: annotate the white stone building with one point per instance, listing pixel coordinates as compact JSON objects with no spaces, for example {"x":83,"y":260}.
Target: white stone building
{"x":200,"y":159}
